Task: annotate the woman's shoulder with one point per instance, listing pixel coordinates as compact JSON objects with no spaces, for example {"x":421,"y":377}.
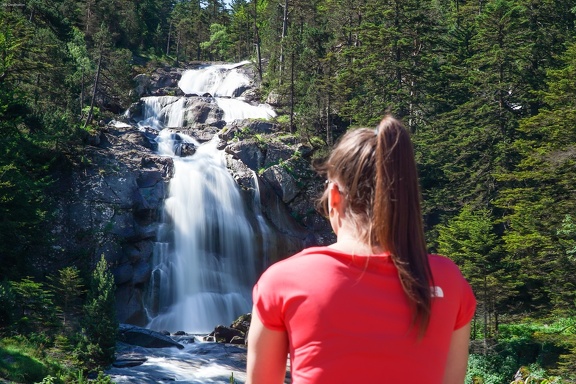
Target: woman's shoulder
{"x":306,"y":258}
{"x":443,"y":265}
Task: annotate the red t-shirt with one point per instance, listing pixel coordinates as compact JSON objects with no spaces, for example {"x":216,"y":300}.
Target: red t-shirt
{"x":348,"y":318}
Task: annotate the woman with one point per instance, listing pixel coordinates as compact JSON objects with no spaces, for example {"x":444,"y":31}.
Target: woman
{"x":373,"y":307}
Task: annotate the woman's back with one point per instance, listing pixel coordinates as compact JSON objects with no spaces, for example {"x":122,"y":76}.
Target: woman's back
{"x":349,"y":319}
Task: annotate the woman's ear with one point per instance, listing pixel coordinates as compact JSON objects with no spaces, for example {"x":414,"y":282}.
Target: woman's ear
{"x":335,"y":196}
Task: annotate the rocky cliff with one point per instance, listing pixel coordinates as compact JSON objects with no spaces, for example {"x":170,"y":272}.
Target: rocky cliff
{"x":111,"y":203}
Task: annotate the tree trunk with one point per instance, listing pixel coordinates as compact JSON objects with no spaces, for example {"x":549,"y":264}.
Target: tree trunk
{"x":283,"y":37}
{"x":257,"y":37}
{"x":328,"y":123}
{"x":82,"y":93}
{"x":292,"y":92}
{"x":96,"y":80}
{"x":177,"y":47}
{"x":168,"y":44}
{"x":485,"y":316}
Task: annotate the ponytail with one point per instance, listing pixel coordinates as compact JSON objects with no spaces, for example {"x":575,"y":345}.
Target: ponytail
{"x":397,"y":217}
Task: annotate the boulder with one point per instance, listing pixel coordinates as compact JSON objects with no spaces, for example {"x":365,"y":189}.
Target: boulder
{"x":146,"y":338}
{"x":222,"y":334}
{"x":143,"y":84}
{"x":249,"y":152}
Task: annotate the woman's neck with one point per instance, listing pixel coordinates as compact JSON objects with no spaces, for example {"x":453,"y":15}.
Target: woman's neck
{"x":351,"y":243}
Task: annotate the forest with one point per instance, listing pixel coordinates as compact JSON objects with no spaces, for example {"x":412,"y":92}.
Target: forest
{"x":486,"y":87}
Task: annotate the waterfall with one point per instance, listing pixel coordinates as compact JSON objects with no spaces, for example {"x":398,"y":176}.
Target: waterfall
{"x":162,"y":111}
{"x":204,"y":260}
{"x":206,"y":254}
{"x":238,"y":110}
{"x":264,"y":230}
{"x":223,"y":83}
{"x":217,"y":80}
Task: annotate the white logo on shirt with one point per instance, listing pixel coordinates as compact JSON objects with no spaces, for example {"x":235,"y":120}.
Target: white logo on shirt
{"x":436,"y":291}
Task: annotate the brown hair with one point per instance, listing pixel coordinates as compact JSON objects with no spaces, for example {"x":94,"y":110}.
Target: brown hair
{"x":376,"y":171}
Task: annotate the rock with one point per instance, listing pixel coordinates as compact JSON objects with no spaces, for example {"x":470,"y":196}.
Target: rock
{"x":238,"y":340}
{"x":187,"y":149}
{"x":92,"y":138}
{"x":111,"y":204}
{"x":282,"y":181}
{"x":129,"y":362}
{"x":274,"y":99}
{"x":224,"y":334}
{"x":249,"y":152}
{"x":258,"y":126}
{"x":110,"y":199}
{"x":242,"y":323}
{"x":145,"y":337}
{"x":138,"y":138}
{"x":142,"y":85}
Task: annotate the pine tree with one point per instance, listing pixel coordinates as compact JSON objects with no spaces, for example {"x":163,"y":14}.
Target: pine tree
{"x":539,"y":193}
{"x":68,"y":289}
{"x":35,"y":308}
{"x":470,"y":240}
{"x":100,"y":324}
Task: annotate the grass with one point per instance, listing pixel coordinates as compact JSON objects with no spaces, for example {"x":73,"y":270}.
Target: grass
{"x":18,"y":362}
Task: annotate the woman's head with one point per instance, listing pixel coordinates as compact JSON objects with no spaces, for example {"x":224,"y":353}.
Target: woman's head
{"x":376,"y":171}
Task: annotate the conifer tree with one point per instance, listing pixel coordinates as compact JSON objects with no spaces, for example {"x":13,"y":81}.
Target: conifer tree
{"x":470,"y":240}
{"x":68,"y":288}
{"x":100,"y":324}
{"x":35,"y":307}
{"x":539,"y":194}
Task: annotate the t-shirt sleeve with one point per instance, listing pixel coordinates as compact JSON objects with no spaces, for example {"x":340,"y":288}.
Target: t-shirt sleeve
{"x":467,"y":305}
{"x":268,"y":304}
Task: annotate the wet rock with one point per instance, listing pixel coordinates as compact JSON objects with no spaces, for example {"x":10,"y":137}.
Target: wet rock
{"x":237,"y":340}
{"x":242,"y":323}
{"x":129,"y":362}
{"x":224,"y":334}
{"x":145,"y":337}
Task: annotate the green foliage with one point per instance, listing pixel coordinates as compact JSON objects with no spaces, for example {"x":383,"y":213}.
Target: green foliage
{"x":470,"y":240}
{"x":486,"y":88}
{"x":68,"y":288}
{"x":219,"y":44}
{"x":98,"y":344}
{"x":35,"y":310}
{"x":538,"y":194}
{"x":29,"y":360}
{"x":489,"y":370}
{"x":567,"y":234}
{"x":7,"y":307}
{"x":531,"y":351}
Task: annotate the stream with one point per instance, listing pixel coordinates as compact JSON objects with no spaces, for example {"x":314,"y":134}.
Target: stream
{"x":198,"y":362}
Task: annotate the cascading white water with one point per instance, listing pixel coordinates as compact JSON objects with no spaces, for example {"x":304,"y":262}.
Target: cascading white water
{"x":204,"y":260}
{"x":238,"y":110}
{"x":217,"y":80}
{"x":265,"y":233}
{"x":162,"y":111}
{"x":207,"y":272}
{"x":224,"y":83}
